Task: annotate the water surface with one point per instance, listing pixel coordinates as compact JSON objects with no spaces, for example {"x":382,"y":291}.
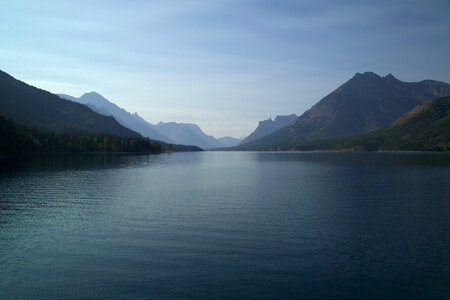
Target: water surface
{"x":226,"y":225}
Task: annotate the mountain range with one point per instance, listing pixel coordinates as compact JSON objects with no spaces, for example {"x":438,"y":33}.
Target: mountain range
{"x":364,"y":103}
{"x":102,"y":106}
{"x":34,"y":120}
{"x":170,"y":132}
{"x":46,"y":111}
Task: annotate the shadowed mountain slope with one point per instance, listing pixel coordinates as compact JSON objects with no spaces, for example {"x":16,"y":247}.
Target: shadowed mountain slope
{"x":365,"y":103}
{"x":44,"y":110}
{"x":268,"y":126}
{"x":425,"y":128}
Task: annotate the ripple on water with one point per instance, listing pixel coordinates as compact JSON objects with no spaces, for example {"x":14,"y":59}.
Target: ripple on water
{"x":218,"y":225}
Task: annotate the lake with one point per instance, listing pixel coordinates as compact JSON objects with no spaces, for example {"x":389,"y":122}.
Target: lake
{"x":226,"y":225}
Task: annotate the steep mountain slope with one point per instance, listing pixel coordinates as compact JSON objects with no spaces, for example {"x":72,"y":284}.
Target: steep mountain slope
{"x":425,"y":128}
{"x":101,"y":105}
{"x":365,"y":103}
{"x":268,"y":126}
{"x":228,"y":141}
{"x":187,"y":134}
{"x":36,"y":107}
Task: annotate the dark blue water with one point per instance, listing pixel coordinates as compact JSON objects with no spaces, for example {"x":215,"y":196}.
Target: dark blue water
{"x":226,"y":225}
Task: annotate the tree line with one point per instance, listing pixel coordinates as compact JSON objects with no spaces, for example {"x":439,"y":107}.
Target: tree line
{"x":18,"y":138}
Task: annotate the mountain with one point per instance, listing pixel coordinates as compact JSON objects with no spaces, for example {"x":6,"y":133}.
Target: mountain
{"x":268,"y":126}
{"x":364,"y":103}
{"x":425,"y":128}
{"x":44,"y":110}
{"x":187,"y":134}
{"x":174,"y":133}
{"x":228,"y":141}
{"x":101,"y":105}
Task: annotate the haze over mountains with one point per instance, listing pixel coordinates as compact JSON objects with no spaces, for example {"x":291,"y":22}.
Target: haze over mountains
{"x":99,"y":104}
{"x":33,"y":120}
{"x":170,"y":132}
{"x":228,"y":141}
{"x":364,"y":103}
{"x":187,"y":134}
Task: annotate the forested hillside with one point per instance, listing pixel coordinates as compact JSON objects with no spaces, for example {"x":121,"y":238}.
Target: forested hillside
{"x":18,"y":138}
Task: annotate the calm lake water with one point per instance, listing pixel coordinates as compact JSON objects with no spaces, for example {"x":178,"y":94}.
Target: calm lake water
{"x":226,"y":225}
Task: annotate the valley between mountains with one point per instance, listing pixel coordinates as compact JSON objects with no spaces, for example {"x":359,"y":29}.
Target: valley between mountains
{"x":366,"y":113}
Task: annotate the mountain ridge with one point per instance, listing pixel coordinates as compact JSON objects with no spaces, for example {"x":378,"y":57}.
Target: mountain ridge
{"x":268,"y":126}
{"x":103,"y":106}
{"x":364,"y":103}
{"x":44,"y":110}
{"x":169,"y":132}
{"x":424,"y":128}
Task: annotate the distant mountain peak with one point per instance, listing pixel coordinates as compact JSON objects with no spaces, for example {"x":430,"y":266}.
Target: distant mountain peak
{"x":366,"y":75}
{"x":170,"y":132}
{"x":390,"y":77}
{"x":279,"y":118}
{"x":101,"y":105}
{"x":372,"y":75}
{"x":93,"y":94}
{"x":268,"y":126}
{"x":167,"y":123}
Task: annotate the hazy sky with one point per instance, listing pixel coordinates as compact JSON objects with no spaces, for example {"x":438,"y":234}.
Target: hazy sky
{"x":224,"y":65}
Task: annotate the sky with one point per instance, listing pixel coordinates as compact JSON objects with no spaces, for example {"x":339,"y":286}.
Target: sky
{"x":224,"y":65}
